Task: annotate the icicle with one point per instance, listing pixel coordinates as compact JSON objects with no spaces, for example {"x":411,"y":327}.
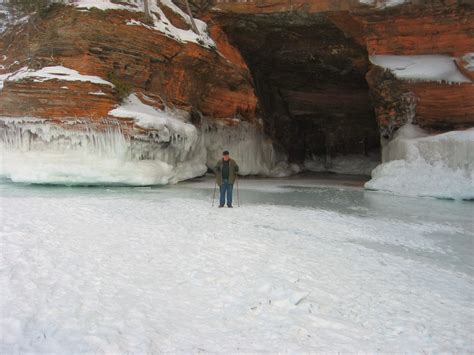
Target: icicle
{"x":109,"y":152}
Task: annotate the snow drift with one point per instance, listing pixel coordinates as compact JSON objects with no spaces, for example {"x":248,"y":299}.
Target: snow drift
{"x":418,"y":164}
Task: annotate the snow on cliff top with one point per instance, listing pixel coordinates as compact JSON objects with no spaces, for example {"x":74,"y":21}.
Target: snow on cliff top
{"x":51,"y":73}
{"x":103,"y":5}
{"x":146,"y":116}
{"x":421,"y":67}
{"x":160,"y":23}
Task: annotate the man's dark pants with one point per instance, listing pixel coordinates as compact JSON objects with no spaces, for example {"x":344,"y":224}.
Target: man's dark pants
{"x":226,"y":188}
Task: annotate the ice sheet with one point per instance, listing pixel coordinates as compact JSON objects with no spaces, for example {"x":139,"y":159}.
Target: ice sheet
{"x":159,"y":271}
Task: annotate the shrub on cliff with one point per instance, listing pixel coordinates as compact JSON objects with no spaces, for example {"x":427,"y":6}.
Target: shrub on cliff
{"x":122,"y":88}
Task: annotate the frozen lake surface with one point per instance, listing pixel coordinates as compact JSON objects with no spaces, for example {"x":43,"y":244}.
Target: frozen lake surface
{"x":303,"y":265}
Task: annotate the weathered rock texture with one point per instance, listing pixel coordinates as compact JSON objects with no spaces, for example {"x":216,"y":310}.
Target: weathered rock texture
{"x":310,"y":58}
{"x":419,"y":30}
{"x":184,"y":75}
{"x":310,"y":79}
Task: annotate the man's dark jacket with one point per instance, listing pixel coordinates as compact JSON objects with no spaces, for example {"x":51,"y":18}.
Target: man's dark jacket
{"x":233,"y":170}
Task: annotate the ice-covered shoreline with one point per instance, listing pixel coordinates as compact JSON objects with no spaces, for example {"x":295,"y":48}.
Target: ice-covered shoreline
{"x":171,"y":149}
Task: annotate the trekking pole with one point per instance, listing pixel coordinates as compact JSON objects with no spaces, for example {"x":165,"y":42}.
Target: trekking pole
{"x":238,"y":191}
{"x":214,"y":195}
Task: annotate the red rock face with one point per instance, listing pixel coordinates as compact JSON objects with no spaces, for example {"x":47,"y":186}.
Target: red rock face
{"x":309,"y":59}
{"x":443,"y":107}
{"x":272,"y":6}
{"x":445,"y":30}
{"x":56,"y":100}
{"x":416,"y":28}
{"x":98,"y":43}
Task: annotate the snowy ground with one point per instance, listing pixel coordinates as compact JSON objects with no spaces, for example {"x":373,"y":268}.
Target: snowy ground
{"x":301,"y":266}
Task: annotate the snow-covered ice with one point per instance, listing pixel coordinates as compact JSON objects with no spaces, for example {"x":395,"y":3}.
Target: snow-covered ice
{"x":421,"y":67}
{"x":418,"y":164}
{"x":298,"y":268}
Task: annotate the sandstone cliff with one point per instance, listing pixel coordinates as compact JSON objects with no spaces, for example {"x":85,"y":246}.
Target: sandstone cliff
{"x":325,"y":79}
{"x":340,"y":38}
{"x":134,"y":58}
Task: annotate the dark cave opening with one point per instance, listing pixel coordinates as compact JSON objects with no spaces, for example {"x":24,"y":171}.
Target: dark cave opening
{"x":310,"y":81}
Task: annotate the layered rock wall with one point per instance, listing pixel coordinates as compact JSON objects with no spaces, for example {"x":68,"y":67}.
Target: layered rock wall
{"x":133,"y":58}
{"x":447,"y":30}
{"x":414,"y":28}
{"x":310,"y":79}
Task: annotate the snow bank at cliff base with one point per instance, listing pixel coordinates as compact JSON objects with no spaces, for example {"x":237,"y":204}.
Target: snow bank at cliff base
{"x":417,"y":164}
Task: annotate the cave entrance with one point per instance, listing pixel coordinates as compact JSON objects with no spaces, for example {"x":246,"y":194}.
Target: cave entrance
{"x":310,"y":80}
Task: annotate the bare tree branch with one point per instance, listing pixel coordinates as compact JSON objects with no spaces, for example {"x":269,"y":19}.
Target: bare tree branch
{"x":146,"y":10}
{"x":190,"y":14}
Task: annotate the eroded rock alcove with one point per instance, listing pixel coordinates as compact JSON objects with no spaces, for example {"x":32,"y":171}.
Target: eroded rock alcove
{"x":310,"y":80}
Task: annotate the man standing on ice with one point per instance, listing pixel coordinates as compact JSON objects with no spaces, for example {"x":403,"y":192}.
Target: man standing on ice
{"x":226,"y":172}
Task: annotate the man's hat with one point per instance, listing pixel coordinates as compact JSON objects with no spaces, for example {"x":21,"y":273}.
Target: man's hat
{"x":226,"y":152}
